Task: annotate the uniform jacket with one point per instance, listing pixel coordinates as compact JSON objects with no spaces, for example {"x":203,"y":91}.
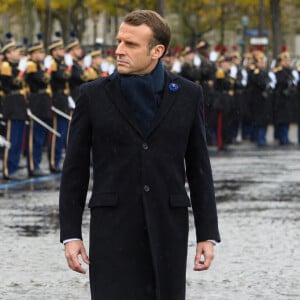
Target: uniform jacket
{"x":60,"y":88}
{"x":260,"y":97}
{"x":139,"y":205}
{"x":14,"y":105}
{"x":38,"y":82}
{"x":78,"y":77}
{"x":285,"y":91}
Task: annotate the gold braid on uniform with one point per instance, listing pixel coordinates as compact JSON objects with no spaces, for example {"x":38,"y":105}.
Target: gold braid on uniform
{"x":31,"y":67}
{"x":66,"y":74}
{"x":46,"y":78}
{"x":220,"y":74}
{"x":85,"y":76}
{"x":5,"y":69}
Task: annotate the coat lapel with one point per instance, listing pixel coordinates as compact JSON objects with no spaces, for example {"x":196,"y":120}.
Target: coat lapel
{"x":113,"y":89}
{"x":168,"y":98}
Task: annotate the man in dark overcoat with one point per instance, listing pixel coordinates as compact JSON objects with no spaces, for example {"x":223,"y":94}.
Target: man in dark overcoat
{"x":260,"y":99}
{"x":144,"y":127}
{"x":285,"y":90}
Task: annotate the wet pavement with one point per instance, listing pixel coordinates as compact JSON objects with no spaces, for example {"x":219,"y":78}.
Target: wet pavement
{"x":259,"y":214}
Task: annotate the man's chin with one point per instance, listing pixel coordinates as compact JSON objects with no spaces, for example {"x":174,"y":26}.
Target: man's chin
{"x":122,"y":70}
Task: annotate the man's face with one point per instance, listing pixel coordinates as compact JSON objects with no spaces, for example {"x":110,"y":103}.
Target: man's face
{"x":13,"y":55}
{"x":225,"y":65}
{"x":38,"y":56}
{"x":77,"y":52}
{"x":286,"y":62}
{"x":96,"y":61}
{"x":58,"y":52}
{"x":261,"y":64}
{"x":133,"y":54}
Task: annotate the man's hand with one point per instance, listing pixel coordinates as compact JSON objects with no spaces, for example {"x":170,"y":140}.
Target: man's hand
{"x":204,"y":256}
{"x":72,"y":250}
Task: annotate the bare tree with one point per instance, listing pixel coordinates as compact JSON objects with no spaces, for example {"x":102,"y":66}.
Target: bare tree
{"x":276,"y":26}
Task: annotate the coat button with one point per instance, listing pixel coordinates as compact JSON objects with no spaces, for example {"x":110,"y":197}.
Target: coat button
{"x":145,"y":146}
{"x":146,"y":188}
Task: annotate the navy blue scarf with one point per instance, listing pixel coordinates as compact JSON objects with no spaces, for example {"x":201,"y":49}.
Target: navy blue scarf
{"x":143,"y":94}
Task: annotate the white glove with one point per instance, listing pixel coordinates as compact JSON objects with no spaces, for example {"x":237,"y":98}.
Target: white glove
{"x":71,"y":102}
{"x":22,"y":64}
{"x":47,"y":62}
{"x":295,"y":77}
{"x":87,"y":61}
{"x":69,"y":60}
{"x":176,"y":68}
{"x":111,"y":68}
{"x":104,"y":66}
{"x":213,"y":56}
{"x":233,"y":71}
{"x":4,"y":142}
{"x":273,"y":64}
{"x":244,"y":77}
{"x":197,"y":61}
{"x":273,"y":80}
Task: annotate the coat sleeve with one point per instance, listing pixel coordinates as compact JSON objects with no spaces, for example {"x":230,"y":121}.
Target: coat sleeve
{"x":76,"y":172}
{"x":199,"y":175}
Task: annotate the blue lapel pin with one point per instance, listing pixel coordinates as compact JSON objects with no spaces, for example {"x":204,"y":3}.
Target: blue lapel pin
{"x":173,"y":87}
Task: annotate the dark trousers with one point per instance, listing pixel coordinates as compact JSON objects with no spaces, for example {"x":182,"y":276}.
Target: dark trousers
{"x":283,"y":133}
{"x":299,"y":133}
{"x":260,"y":134}
{"x":61,"y":125}
{"x":14,"y":134}
{"x":36,"y":141}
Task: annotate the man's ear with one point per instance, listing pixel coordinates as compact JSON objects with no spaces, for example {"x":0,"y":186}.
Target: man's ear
{"x":158,"y":51}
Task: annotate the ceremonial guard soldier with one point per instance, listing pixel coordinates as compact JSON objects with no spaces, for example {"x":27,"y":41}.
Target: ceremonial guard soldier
{"x":78,"y":74}
{"x":260,"y":97}
{"x":285,"y":90}
{"x":297,"y":101}
{"x":190,"y":65}
{"x":92,"y":65}
{"x":224,"y":93}
{"x":2,"y":122}
{"x":246,"y":117}
{"x":239,"y":74}
{"x":60,"y":75}
{"x":38,"y":77}
{"x":207,"y":70}
{"x":14,"y":105}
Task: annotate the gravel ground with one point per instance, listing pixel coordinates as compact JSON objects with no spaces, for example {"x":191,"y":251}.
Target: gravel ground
{"x":259,"y":211}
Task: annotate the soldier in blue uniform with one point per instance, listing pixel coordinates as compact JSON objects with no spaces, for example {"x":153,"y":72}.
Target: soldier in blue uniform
{"x":14,"y":105}
{"x":60,"y":76}
{"x":38,"y":82}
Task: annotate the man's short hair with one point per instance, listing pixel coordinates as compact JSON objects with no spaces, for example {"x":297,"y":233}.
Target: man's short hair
{"x":158,"y":25}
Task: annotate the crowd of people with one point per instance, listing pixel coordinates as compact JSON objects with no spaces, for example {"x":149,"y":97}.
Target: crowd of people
{"x":39,"y":88}
{"x":243,"y":95}
{"x":38,"y":91}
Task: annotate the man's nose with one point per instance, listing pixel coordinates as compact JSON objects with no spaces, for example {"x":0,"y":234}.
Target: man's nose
{"x":120,"y":49}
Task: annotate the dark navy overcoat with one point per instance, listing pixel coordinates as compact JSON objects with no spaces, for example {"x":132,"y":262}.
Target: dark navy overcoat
{"x":139,"y":204}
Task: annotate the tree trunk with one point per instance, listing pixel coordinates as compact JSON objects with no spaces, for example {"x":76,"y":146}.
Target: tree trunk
{"x":161,"y":7}
{"x":276,"y":26}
